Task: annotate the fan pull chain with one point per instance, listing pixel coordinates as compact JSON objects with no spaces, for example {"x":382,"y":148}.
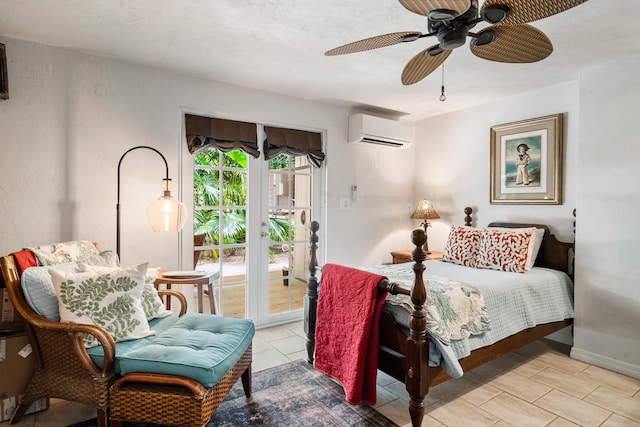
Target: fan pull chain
{"x":442,"y":96}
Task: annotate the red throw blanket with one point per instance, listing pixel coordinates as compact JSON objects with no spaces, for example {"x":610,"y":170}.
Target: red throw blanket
{"x":349,"y":308}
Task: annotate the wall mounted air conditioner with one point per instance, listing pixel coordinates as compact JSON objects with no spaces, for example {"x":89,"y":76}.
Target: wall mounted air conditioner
{"x":371,"y":130}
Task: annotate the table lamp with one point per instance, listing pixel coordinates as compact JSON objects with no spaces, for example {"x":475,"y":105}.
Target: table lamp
{"x":425,"y":211}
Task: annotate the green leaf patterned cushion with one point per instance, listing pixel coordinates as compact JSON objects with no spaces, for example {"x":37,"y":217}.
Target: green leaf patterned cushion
{"x":38,"y":287}
{"x":151,"y":303}
{"x":108,"y":299}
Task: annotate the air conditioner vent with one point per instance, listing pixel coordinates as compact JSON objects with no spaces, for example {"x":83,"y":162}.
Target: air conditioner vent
{"x":371,"y":130}
{"x":397,"y":144}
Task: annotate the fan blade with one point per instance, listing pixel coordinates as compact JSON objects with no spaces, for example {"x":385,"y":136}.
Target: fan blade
{"x":512,"y":44}
{"x":374,"y":42}
{"x":423,"y":7}
{"x":423,"y":64}
{"x":524,"y":11}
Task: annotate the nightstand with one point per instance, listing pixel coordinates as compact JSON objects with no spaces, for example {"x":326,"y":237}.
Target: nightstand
{"x":405,"y":256}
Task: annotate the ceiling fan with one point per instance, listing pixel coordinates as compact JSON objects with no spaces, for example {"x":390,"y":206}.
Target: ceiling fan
{"x":508,"y":38}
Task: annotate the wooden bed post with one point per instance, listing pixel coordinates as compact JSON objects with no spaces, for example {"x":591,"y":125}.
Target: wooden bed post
{"x":467,"y":218}
{"x":416,"y":380}
{"x":312,"y":294}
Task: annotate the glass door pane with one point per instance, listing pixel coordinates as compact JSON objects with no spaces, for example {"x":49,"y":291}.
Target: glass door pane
{"x":289,"y":209}
{"x":220,"y":212}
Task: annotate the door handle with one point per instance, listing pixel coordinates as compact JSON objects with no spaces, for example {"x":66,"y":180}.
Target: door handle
{"x":264,"y":234}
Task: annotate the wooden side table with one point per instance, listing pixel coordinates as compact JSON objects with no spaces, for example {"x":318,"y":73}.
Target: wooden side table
{"x":190,"y":278}
{"x":405,"y":256}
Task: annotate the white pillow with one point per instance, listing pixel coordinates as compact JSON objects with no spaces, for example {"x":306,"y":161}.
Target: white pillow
{"x":534,"y":247}
{"x":151,"y":302}
{"x":38,"y":287}
{"x":108,"y":299}
{"x":39,"y":291}
{"x":104,"y":259}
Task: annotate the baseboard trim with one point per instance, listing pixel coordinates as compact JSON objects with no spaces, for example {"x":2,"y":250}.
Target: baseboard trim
{"x":606,"y":362}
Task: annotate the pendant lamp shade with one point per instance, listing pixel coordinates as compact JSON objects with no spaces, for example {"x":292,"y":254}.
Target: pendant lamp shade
{"x":166,"y":214}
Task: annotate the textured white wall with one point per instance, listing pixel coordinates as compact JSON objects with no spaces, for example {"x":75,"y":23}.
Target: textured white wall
{"x":453,"y":162}
{"x":601,"y":155}
{"x":71,"y":116}
{"x":377,"y":221}
{"x":608,"y":237}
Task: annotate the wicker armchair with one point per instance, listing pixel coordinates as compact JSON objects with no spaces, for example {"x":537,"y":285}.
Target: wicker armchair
{"x":63,"y":367}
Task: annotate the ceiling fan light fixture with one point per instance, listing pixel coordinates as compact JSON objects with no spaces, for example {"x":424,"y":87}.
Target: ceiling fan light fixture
{"x":452,"y":38}
{"x":434,"y":51}
{"x":409,"y":37}
{"x":442,"y":14}
{"x":495,"y":14}
{"x":484,"y":37}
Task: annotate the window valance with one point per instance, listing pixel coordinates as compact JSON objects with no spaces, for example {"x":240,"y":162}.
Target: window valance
{"x":225,"y":135}
{"x":295,"y":142}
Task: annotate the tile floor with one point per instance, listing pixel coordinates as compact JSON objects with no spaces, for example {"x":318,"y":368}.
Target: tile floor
{"x":536,"y":386}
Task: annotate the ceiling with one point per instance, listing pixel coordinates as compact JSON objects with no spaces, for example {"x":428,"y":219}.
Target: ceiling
{"x":278,"y":46}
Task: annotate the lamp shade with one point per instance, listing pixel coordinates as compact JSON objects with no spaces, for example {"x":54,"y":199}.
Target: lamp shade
{"x":424,"y":210}
{"x":166,"y":214}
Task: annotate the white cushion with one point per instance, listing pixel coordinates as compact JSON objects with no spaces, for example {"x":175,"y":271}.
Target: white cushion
{"x":534,"y":247}
{"x":38,"y":288}
{"x":108,"y":299}
{"x":39,"y":291}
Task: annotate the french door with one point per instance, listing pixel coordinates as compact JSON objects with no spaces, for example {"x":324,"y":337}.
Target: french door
{"x":256,"y":217}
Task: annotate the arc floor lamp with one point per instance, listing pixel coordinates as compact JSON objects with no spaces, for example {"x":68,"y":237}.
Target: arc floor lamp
{"x":165,"y":214}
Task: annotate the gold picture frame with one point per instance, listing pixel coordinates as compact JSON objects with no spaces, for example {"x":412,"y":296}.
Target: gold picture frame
{"x":4,"y":77}
{"x":526,"y":162}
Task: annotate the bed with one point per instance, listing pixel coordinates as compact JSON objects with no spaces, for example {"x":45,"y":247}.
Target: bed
{"x":405,"y":347}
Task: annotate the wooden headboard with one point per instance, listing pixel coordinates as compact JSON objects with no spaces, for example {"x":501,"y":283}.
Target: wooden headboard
{"x":553,"y":253}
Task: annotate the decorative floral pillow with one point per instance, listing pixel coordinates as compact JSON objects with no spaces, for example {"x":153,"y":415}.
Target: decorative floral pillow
{"x":534,"y":244}
{"x":38,"y":287}
{"x":63,"y":252}
{"x":504,"y":249}
{"x":151,"y":303}
{"x":108,"y":299}
{"x":463,"y":246}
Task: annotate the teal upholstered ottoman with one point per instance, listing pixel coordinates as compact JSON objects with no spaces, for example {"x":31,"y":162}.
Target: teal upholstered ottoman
{"x":180,"y":376}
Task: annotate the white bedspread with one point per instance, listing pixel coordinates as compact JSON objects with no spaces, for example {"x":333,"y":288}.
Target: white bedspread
{"x":515,"y":302}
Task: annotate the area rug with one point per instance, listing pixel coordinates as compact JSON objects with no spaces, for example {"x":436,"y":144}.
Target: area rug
{"x":293,"y":394}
